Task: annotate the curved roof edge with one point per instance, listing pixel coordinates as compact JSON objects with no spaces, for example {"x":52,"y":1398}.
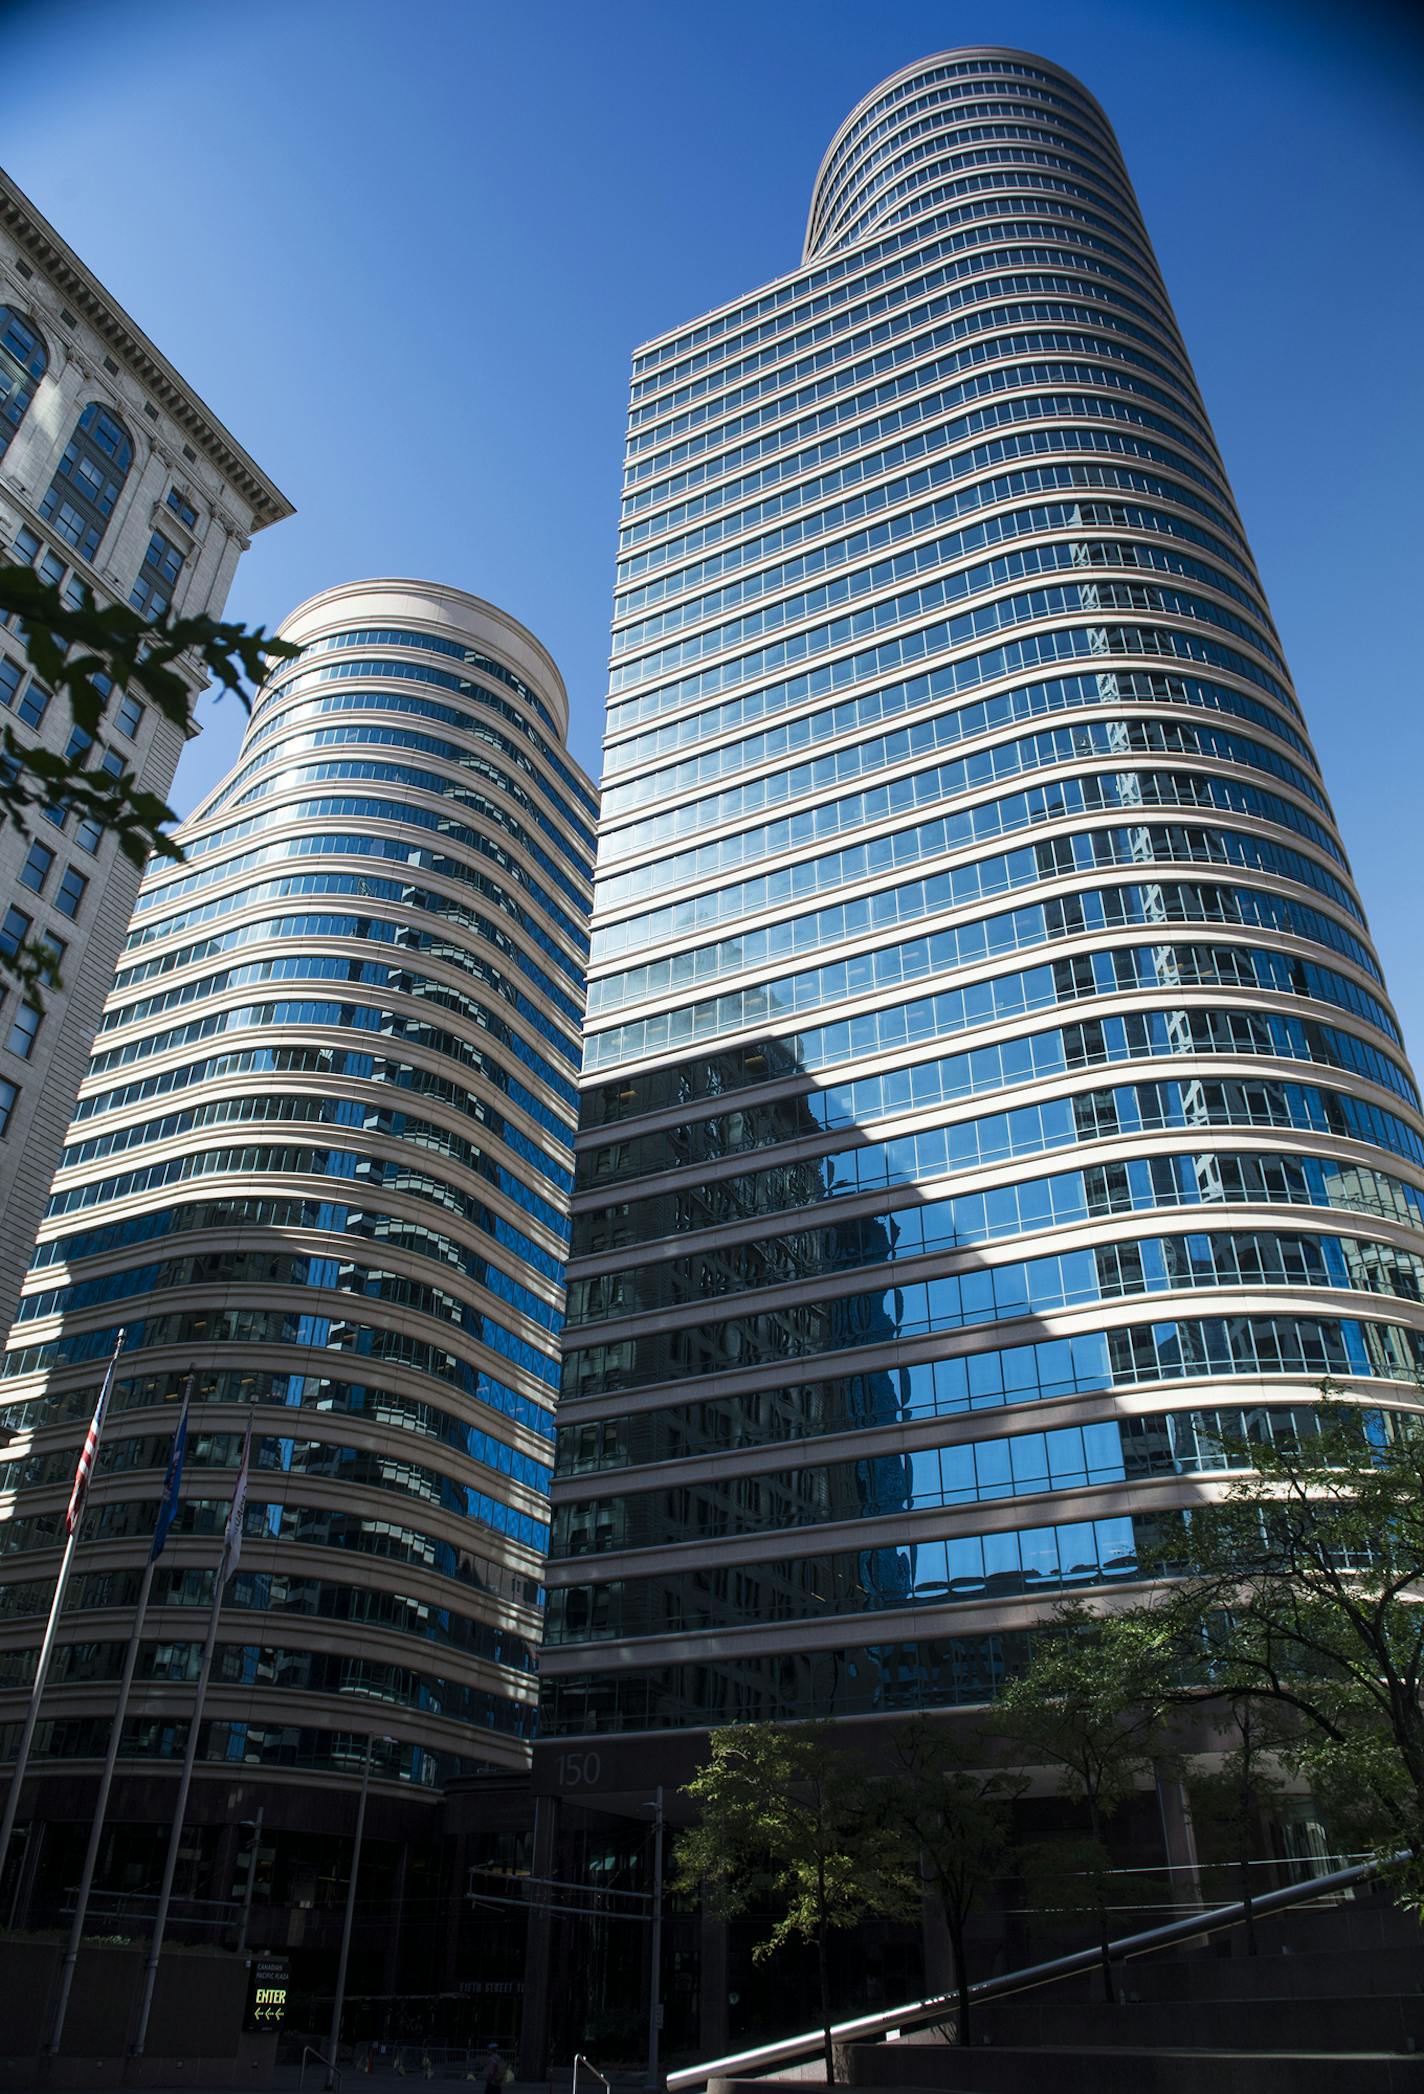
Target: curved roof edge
{"x":63,"y":268}
{"x":955,"y":54}
{"x":437,"y":603}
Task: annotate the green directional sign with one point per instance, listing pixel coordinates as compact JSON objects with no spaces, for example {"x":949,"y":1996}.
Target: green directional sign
{"x":266,"y":1992}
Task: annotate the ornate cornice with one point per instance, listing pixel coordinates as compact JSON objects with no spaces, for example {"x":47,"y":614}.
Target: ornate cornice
{"x":82,"y":290}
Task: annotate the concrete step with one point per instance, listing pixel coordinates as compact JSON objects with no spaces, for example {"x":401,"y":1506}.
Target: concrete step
{"x":1384,"y":2022}
{"x":1337,"y":1973}
{"x":1121,"y":2070}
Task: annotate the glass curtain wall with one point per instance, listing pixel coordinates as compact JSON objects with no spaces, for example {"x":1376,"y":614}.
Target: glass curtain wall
{"x":321,"y":1163}
{"x":991,"y":1091}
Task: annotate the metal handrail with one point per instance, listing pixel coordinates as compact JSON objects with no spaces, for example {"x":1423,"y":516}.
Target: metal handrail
{"x":580,"y":2059}
{"x":751,"y":2064}
{"x":309,"y":2050}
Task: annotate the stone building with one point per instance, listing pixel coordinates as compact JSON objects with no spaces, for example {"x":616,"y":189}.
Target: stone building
{"x":116,"y":482}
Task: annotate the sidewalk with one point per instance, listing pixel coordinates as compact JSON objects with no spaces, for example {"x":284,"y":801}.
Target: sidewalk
{"x":286,"y":2079}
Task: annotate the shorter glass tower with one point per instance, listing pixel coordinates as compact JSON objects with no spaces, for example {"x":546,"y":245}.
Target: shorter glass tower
{"x":322,"y":1162}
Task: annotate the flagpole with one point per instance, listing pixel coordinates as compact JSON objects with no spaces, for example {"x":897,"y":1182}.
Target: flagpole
{"x":167,"y":1510}
{"x":75,"y":1518}
{"x":227,"y":1563}
{"x":101,"y":1806}
{"x":12,"y":1801}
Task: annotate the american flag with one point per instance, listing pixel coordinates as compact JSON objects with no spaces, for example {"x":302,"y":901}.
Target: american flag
{"x":74,"y":1512}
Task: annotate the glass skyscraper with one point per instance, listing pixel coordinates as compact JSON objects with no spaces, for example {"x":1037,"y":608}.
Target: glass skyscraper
{"x":321,"y":1162}
{"x":991,"y":1093}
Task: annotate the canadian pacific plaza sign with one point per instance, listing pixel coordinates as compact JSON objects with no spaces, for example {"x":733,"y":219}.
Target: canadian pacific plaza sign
{"x":266,"y":1993}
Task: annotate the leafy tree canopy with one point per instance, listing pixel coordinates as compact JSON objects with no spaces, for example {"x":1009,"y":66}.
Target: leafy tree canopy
{"x":791,"y":1824}
{"x":1303,"y":1590}
{"x":1093,"y":1705}
{"x":69,"y":645}
{"x":958,"y":1817}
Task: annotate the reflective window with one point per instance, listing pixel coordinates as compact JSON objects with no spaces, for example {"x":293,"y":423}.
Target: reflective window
{"x":980,"y":880}
{"x":395,"y":931}
{"x":401,"y":814}
{"x":1148,"y":1035}
{"x":1085,"y":1363}
{"x":24,"y":1031}
{"x":1119,"y":969}
{"x":426,"y":643}
{"x":1181,"y":1443}
{"x":70,"y":892}
{"x":1134,"y":1185}
{"x":152,"y":593}
{"x":407,"y":1417}
{"x":1119,"y":738}
{"x":89,"y":479}
{"x":244,"y":1743}
{"x":476,"y":727}
{"x":362,"y":1468}
{"x":26,"y":697}
{"x":244,"y":1326}
{"x":955,"y":1301}
{"x":23,"y":362}
{"x":371,"y":1018}
{"x":14,"y":929}
{"x":287,"y":1269}
{"x":889,"y":967}
{"x":38,"y":863}
{"x":924,"y":1573}
{"x":300,"y":1598}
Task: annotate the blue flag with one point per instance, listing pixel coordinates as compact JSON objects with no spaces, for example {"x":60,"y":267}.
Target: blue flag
{"x":172,"y":1482}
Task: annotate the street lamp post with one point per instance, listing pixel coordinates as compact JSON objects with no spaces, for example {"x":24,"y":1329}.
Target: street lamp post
{"x":655,"y":1983}
{"x":247,"y":1887}
{"x":339,"y":2002}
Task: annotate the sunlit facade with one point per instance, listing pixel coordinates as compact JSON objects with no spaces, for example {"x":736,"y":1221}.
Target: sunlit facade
{"x":117,"y":484}
{"x":991,"y":1090}
{"x":321,"y":1160}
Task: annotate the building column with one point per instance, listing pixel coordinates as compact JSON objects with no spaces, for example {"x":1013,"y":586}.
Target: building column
{"x":714,"y":2020}
{"x":26,"y":1873}
{"x":534,"y":2021}
{"x":222,"y":1862}
{"x":940,"y":1974}
{"x":390,"y":1974}
{"x":1179,"y":1840}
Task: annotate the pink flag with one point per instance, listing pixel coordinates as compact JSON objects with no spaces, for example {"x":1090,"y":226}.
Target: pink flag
{"x":232,"y":1532}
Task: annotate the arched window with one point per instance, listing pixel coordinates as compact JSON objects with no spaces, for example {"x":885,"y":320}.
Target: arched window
{"x":23,"y":360}
{"x":91,"y":474}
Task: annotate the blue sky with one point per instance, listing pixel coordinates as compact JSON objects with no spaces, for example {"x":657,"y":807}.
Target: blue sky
{"x":405,"y":253}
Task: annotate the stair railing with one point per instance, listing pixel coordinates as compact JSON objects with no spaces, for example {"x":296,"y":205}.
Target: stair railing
{"x":894,"y":2021}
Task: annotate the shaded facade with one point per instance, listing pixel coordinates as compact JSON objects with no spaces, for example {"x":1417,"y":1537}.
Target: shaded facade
{"x":322,"y":1162}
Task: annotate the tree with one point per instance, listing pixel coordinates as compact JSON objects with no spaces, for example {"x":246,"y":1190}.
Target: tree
{"x":1074,"y":1875}
{"x":1092,"y":1704}
{"x":958,"y":1818}
{"x":1303,"y":1589}
{"x":70,"y":645}
{"x":1231,"y":1795}
{"x":787,"y":1817}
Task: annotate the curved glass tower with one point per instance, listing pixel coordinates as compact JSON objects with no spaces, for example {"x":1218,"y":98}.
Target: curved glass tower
{"x":991,"y":1089}
{"x":322,"y":1158}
